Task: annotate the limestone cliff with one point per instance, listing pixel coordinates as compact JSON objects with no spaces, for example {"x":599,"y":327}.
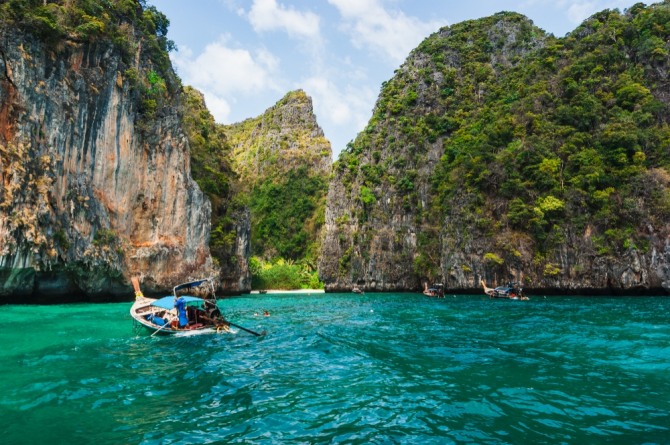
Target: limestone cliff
{"x":211,"y":164}
{"x":95,"y":172}
{"x":283,"y":161}
{"x":499,"y":152}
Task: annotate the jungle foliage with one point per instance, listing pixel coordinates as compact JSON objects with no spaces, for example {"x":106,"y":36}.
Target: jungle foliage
{"x":283,"y":274}
{"x":284,"y":211}
{"x":123,"y":22}
{"x":211,"y":169}
{"x":128,"y":26}
{"x":283,"y":163}
{"x":537,"y":133}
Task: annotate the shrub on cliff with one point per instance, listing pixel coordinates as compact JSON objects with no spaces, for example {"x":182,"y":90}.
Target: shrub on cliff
{"x":211,"y":169}
{"x":283,"y":161}
{"x":127,"y":24}
{"x":282,"y":274}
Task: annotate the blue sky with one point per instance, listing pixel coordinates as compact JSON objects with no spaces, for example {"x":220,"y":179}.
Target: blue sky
{"x":245,"y":55}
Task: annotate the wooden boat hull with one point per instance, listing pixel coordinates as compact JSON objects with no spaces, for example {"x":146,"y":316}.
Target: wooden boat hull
{"x":436,"y":290}
{"x":504,"y":292}
{"x":182,"y":312}
{"x":509,"y":297}
{"x":144,"y":313}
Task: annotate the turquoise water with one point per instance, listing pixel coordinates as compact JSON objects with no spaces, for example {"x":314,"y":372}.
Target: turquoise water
{"x":344,"y":368}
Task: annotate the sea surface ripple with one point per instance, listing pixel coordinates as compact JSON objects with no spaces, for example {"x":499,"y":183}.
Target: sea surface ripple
{"x":344,"y":369}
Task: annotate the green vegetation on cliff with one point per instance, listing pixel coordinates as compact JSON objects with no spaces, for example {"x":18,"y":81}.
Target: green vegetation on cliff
{"x":282,"y":274}
{"x":123,"y":22}
{"x":287,"y":213}
{"x":211,"y":169}
{"x":283,"y":161}
{"x":497,"y":138}
{"x":572,"y":137}
{"x":130,"y":26}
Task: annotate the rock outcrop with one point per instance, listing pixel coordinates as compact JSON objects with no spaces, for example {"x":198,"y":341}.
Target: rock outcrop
{"x":285,"y":137}
{"x":95,"y":188}
{"x":211,"y":164}
{"x":499,"y":152}
{"x":283,"y":161}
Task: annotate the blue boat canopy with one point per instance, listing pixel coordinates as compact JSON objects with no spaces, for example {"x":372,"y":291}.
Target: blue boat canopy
{"x":168,"y":302}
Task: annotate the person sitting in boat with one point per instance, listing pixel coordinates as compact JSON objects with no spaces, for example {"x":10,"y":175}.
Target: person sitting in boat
{"x":212,"y":310}
{"x":207,"y":318}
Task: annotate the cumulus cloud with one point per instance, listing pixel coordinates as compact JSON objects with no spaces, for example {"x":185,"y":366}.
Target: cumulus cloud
{"x":222,"y":72}
{"x":217,"y":105}
{"x":577,"y":11}
{"x":234,"y":6}
{"x":339,"y":110}
{"x":391,"y":33}
{"x":267,"y":15}
{"x":328,"y":99}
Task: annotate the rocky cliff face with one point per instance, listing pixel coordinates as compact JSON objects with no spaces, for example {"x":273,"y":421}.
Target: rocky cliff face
{"x":211,"y":164}
{"x":490,"y":155}
{"x":285,"y":137}
{"x":380,"y":193}
{"x":88,"y":198}
{"x":283,"y":160}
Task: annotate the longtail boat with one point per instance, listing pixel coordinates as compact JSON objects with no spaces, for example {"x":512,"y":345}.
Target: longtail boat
{"x":512,"y":291}
{"x":191,"y":307}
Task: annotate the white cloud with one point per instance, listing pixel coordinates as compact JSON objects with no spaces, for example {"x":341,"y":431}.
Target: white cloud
{"x":339,"y":111}
{"x":228,"y":69}
{"x":391,"y":33}
{"x":234,"y":6}
{"x":217,"y":105}
{"x":224,"y":73}
{"x":268,"y":60}
{"x":578,"y":11}
{"x":327,"y":97}
{"x":267,"y":15}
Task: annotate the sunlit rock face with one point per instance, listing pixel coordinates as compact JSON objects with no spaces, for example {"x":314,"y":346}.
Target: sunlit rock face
{"x":92,"y":191}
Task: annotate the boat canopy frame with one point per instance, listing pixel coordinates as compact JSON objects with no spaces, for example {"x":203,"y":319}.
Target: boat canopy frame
{"x":192,"y":284}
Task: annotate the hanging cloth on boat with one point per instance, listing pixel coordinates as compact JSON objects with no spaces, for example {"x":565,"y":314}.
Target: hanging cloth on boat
{"x":180,"y":304}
